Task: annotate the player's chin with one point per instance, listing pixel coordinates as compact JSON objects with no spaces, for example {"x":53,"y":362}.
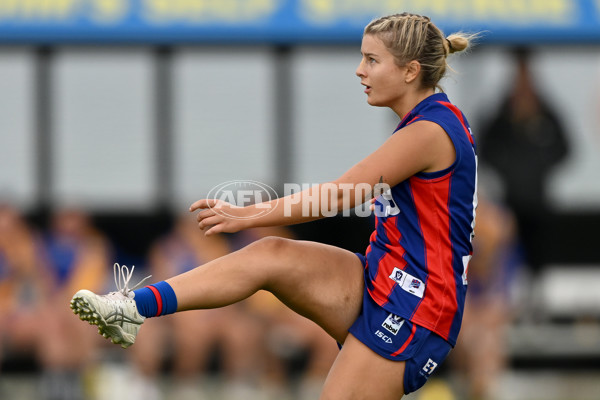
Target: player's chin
{"x":372,"y":101}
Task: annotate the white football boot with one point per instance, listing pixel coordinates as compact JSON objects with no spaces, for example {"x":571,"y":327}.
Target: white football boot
{"x":115,"y":313}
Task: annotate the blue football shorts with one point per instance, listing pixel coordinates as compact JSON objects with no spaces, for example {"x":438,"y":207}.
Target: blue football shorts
{"x":398,"y":339}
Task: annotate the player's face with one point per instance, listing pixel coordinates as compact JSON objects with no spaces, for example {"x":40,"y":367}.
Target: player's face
{"x":384,"y":80}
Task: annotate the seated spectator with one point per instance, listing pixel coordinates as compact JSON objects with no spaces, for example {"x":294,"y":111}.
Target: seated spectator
{"x":21,"y":285}
{"x":75,"y":254}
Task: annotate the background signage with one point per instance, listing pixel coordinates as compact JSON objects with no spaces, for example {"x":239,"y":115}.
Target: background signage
{"x":287,"y":21}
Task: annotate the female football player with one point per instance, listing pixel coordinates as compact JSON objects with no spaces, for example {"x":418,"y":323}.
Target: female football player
{"x":396,"y":310}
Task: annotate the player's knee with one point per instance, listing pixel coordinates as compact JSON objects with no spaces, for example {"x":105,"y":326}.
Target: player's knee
{"x":271,"y":245}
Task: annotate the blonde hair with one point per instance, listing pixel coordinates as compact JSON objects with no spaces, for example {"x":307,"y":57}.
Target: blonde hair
{"x":414,"y":37}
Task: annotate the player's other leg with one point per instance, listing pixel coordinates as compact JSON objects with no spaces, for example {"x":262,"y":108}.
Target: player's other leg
{"x":359,"y":373}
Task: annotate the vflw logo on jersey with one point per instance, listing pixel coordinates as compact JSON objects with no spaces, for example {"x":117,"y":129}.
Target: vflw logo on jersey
{"x":408,"y":282}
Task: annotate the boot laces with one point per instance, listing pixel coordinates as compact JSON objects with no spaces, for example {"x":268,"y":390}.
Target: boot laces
{"x":122,"y":277}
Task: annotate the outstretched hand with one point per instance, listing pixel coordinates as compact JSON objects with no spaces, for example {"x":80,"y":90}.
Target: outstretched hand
{"x":218,"y":216}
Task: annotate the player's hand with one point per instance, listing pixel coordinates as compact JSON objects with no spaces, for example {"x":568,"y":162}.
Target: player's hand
{"x":217,"y":216}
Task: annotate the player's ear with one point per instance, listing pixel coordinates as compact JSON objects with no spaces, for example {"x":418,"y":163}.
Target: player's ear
{"x":413,"y":68}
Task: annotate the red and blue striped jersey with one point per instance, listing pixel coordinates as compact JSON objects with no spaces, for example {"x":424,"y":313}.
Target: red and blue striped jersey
{"x":419,"y":251}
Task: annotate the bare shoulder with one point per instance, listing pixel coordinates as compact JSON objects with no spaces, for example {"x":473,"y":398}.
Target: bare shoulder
{"x":423,"y":130}
{"x":433,"y":142}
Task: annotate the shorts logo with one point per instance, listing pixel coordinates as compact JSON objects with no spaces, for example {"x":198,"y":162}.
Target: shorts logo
{"x":408,"y":282}
{"x":393,"y":323}
{"x":429,"y":367}
{"x":383,"y":337}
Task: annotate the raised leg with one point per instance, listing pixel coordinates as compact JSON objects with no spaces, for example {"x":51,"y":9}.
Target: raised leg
{"x":323,"y":283}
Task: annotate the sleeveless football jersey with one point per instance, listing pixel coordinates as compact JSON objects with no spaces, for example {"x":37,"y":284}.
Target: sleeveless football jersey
{"x":419,"y":251}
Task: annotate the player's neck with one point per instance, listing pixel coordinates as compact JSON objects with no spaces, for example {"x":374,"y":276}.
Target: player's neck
{"x":410,"y":101}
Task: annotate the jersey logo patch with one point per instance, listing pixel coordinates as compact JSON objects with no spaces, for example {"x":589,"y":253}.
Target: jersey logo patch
{"x":408,"y":283}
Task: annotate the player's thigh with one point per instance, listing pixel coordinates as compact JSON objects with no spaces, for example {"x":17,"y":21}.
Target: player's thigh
{"x":321,"y":282}
{"x":359,"y":373}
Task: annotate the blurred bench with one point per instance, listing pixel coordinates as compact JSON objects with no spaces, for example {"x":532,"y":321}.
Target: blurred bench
{"x":563,"y":328}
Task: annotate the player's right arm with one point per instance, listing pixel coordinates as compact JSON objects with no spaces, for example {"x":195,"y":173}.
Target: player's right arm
{"x":421,"y":146}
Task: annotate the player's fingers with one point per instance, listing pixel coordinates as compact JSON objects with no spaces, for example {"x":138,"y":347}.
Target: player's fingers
{"x":205,"y":213}
{"x":203,"y":203}
{"x":209,"y":221}
{"x":215,"y":229}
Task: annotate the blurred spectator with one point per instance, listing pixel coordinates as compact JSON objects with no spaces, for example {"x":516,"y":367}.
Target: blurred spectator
{"x":21,"y":286}
{"x":480,"y":355}
{"x":522,"y":142}
{"x":76,"y":255}
{"x":195,"y":338}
